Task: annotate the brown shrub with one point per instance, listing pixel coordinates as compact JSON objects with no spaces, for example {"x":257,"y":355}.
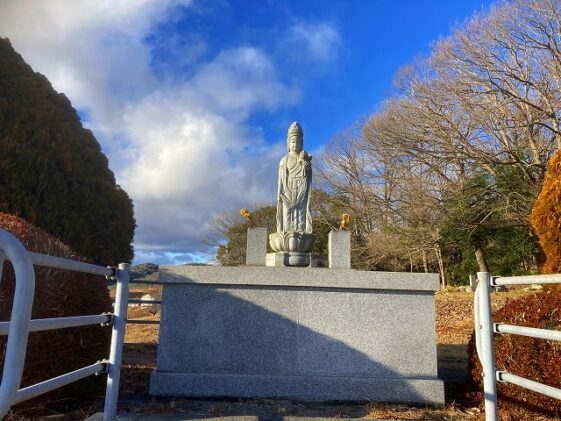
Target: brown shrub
{"x":545,"y":218}
{"x":534,"y":359}
{"x":58,"y":293}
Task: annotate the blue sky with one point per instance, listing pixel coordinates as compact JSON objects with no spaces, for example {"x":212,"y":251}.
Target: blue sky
{"x":373,"y":39}
{"x":191,"y":99}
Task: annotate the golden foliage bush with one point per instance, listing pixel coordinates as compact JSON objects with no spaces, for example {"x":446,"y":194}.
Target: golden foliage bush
{"x":531,"y":358}
{"x":545,"y":218}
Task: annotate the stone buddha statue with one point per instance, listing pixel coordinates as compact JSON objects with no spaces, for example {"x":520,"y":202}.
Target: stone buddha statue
{"x":294,"y":219}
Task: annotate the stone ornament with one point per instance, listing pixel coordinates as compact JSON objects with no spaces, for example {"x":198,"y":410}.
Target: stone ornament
{"x":294,"y":219}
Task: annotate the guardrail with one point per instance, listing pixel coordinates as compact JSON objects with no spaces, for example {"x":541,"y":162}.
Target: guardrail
{"x":140,"y":280}
{"x":485,"y":328}
{"x":21,"y":324}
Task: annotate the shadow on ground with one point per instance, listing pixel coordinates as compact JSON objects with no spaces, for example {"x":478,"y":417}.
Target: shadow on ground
{"x":136,"y":404}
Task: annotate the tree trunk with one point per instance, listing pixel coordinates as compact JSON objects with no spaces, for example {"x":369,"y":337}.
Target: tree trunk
{"x":481,"y":262}
{"x":438,"y":252}
{"x":425,"y":261}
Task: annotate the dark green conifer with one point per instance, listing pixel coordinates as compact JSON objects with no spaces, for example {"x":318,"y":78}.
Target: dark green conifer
{"x":52,"y":171}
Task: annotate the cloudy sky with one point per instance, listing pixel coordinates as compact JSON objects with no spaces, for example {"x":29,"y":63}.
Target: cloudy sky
{"x":191,"y":99}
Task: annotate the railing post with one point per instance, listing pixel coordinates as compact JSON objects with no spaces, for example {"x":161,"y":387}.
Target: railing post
{"x":487,"y":355}
{"x":117,"y":340}
{"x":16,"y":346}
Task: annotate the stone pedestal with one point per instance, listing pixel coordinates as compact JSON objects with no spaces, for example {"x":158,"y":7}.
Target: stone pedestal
{"x":256,"y":249}
{"x":300,"y":333}
{"x":339,"y":249}
{"x":288,"y":258}
{"x":283,"y":259}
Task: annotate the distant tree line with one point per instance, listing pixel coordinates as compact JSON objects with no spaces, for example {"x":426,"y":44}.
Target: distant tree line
{"x":443,"y":177}
{"x":52,"y":171}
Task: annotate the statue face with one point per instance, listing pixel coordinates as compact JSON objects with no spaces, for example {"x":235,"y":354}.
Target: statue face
{"x":295,"y":144}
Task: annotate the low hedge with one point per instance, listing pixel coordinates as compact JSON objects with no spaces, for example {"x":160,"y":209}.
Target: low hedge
{"x":58,"y":293}
{"x":534,"y":359}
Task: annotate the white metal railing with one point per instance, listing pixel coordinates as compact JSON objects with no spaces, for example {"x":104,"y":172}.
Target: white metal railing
{"x":21,"y":324}
{"x":485,"y":328}
{"x":139,"y":280}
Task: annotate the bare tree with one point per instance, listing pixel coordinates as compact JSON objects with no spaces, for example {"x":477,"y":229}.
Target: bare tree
{"x":487,"y":101}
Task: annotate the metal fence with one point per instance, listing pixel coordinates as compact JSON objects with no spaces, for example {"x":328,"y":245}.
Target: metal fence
{"x":21,"y":324}
{"x":137,"y":279}
{"x":485,"y":328}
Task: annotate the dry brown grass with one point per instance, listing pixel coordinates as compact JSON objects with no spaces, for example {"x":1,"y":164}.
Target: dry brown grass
{"x":454,"y":314}
{"x":404,"y":412}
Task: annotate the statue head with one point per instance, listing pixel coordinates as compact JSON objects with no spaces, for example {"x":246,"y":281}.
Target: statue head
{"x":295,"y":138}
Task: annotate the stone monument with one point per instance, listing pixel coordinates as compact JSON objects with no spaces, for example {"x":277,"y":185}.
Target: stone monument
{"x":305,"y":333}
{"x":294,"y":240}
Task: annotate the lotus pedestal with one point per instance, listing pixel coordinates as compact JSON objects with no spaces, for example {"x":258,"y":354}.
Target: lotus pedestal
{"x":293,"y":249}
{"x":280,"y":259}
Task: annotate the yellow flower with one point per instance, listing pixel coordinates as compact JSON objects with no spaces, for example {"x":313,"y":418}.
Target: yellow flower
{"x":245,"y":213}
{"x":345,"y":218}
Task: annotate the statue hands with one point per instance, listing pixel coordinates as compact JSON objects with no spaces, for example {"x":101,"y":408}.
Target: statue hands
{"x":304,"y":157}
{"x":282,"y":198}
{"x":289,"y":203}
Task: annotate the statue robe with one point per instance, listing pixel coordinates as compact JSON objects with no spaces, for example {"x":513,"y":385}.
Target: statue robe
{"x":294,"y":189}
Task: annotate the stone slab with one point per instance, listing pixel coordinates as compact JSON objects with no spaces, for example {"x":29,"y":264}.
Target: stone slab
{"x":256,"y":249}
{"x":343,"y":337}
{"x":308,"y":388}
{"x":339,"y":249}
{"x":295,"y":332}
{"x":299,"y":277}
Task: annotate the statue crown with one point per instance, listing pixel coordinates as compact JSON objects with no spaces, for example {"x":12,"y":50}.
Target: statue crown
{"x":295,"y":130}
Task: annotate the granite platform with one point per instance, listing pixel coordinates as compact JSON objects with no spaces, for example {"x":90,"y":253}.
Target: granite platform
{"x":311,"y":334}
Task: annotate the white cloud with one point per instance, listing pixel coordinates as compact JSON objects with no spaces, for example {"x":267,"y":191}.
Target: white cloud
{"x":193,"y":155}
{"x":191,"y":165}
{"x":242,"y":78}
{"x":319,"y":41}
{"x":92,"y":51}
{"x":179,"y":146}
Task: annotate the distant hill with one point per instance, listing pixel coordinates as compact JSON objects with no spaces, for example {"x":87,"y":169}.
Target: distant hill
{"x":52,"y":171}
{"x":150,"y":271}
{"x":143,"y":269}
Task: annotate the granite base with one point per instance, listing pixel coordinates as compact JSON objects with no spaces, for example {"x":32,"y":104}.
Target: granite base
{"x":308,"y":388}
{"x":301,"y":333}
